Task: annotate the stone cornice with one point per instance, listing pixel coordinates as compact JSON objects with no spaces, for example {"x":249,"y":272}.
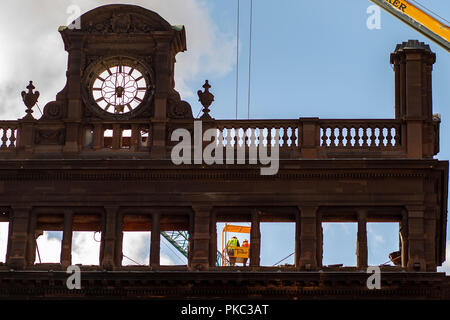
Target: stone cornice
{"x":158,"y":170}
{"x":288,"y":285}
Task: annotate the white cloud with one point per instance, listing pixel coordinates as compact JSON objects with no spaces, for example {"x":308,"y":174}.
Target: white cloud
{"x":136,"y":245}
{"x":33,"y":49}
{"x":85,"y":248}
{"x":49,"y":249}
{"x":378,"y":238}
{"x":165,"y":260}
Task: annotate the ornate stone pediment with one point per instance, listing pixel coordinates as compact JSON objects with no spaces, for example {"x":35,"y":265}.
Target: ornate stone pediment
{"x":122,"y":19}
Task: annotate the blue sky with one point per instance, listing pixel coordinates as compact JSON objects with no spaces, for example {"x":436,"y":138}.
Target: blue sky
{"x":309,"y":59}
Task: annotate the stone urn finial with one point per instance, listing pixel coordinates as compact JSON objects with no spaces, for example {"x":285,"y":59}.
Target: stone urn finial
{"x":29,"y":99}
{"x":205,"y":98}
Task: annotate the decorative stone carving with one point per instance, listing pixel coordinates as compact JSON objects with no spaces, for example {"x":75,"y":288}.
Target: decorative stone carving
{"x":114,"y":20}
{"x":177,"y":108}
{"x":50,"y":137}
{"x":54,"y":111}
{"x":206,"y":98}
{"x":121,"y":22}
{"x":29,"y":99}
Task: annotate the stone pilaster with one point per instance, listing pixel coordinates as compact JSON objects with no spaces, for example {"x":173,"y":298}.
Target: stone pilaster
{"x":19,"y":238}
{"x":416,"y":238}
{"x":201,"y":237}
{"x":308,"y":238}
{"x":66,"y":245}
{"x":361,"y":244}
{"x":255,"y":239}
{"x":109,"y":238}
{"x":213,"y":241}
{"x":155,"y":245}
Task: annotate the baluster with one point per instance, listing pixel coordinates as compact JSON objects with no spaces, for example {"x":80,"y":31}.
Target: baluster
{"x":235,"y":137}
{"x":228,"y":137}
{"x":261,"y":138}
{"x":275,"y":136}
{"x":285,"y":138}
{"x":348,"y":137}
{"x":357,"y":137}
{"x":278,"y":137}
{"x":293,"y":137}
{"x":12,"y":139}
{"x":383,"y":136}
{"x":220,"y":136}
{"x":252,"y":137}
{"x":373,"y":137}
{"x":4,"y":138}
{"x":389,"y":137}
{"x":248,"y":136}
{"x":380,"y":136}
{"x":324,"y":136}
{"x":242,"y":138}
{"x":340,"y":137}
{"x":332,"y":137}
{"x":269,"y":137}
{"x":364,"y":137}
{"x":245,"y":137}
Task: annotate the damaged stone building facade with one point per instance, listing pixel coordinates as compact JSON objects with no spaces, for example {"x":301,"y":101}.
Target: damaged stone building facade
{"x":99,"y":159}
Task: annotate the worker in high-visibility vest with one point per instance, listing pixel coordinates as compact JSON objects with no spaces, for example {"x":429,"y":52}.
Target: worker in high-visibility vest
{"x":245,"y":244}
{"x":233,"y":242}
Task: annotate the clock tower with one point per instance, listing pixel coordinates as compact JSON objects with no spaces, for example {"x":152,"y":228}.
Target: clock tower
{"x":120,"y":68}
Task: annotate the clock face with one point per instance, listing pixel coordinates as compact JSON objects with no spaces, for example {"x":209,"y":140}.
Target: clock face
{"x":119,"y":85}
{"x":119,"y":89}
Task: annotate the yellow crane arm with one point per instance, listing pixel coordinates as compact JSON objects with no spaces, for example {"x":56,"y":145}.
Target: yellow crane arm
{"x":418,"y":20}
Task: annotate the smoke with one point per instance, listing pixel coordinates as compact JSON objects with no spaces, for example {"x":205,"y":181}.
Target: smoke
{"x":32,"y":48}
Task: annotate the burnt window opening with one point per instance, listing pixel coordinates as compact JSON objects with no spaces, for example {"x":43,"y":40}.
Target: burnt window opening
{"x":174,"y":240}
{"x":384,"y":244}
{"x":48,"y":235}
{"x":174,"y":247}
{"x":4,"y":234}
{"x":144,"y":138}
{"x":339,"y":244}
{"x":108,"y":138}
{"x":125,"y":139}
{"x":230,"y":252}
{"x":278,"y":244}
{"x":136,"y":240}
{"x":86,"y":239}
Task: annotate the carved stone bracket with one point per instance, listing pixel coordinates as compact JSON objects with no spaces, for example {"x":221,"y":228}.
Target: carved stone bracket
{"x":50,"y":137}
{"x":177,"y":108}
